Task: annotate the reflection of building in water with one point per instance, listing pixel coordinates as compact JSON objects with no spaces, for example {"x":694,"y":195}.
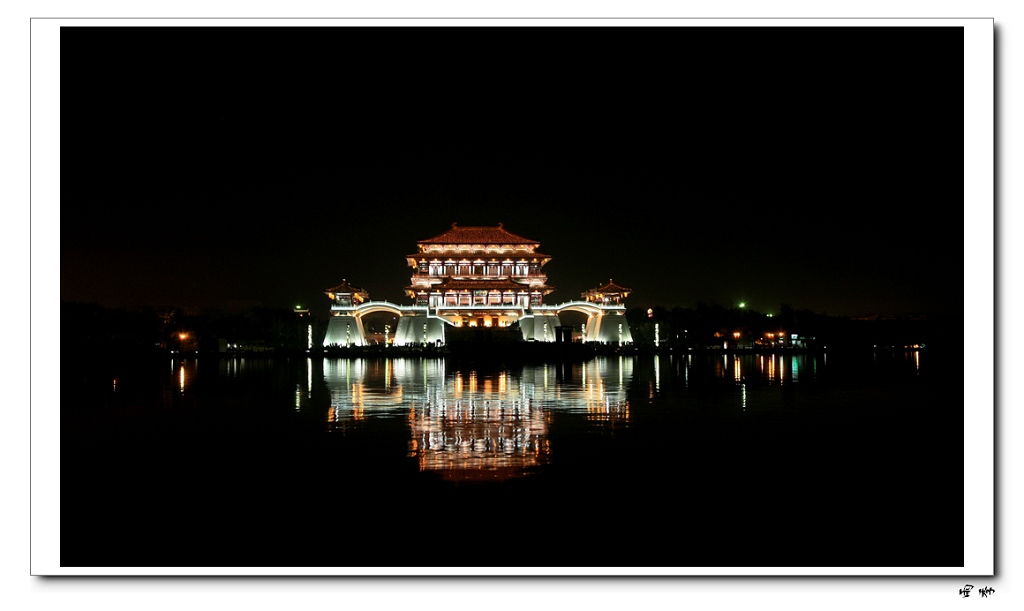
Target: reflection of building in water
{"x":366,"y":387}
{"x":596,"y":388}
{"x":479,"y":428}
{"x":467,"y":425}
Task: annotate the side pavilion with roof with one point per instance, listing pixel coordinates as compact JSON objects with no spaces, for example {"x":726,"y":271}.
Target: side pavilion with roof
{"x":610,"y":293}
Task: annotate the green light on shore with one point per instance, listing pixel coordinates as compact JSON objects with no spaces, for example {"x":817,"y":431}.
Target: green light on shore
{"x":743,"y":304}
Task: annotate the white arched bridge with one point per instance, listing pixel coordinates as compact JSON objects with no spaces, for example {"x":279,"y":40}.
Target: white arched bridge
{"x":423,"y":325}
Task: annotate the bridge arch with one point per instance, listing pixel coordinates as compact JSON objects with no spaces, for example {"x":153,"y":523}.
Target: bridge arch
{"x":371,"y":307}
{"x":580,"y":306}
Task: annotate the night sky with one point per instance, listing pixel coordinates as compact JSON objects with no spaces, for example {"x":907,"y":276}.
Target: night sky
{"x":214,"y":167}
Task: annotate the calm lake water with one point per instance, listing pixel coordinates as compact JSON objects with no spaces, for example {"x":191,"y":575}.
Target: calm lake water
{"x":700,"y":460}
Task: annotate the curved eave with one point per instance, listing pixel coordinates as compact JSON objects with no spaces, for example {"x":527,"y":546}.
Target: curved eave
{"x":474,"y":255}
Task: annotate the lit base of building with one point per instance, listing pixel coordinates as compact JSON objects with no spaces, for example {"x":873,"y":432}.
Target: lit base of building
{"x":540,"y":327}
{"x":609,"y":328}
{"x":418,"y":329}
{"x":345,"y":330}
{"x":534,"y":326}
{"x":418,"y":325}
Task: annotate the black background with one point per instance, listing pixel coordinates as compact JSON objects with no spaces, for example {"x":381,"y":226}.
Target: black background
{"x":230,"y":167}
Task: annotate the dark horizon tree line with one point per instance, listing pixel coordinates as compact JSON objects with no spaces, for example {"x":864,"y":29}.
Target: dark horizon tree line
{"x":94,"y":327}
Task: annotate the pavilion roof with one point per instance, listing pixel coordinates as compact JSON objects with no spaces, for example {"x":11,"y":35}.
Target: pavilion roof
{"x":611,"y":287}
{"x":345,"y":287}
{"x":478,"y":235}
{"x":473,"y":256}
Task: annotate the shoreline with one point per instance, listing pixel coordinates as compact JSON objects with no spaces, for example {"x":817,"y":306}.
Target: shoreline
{"x":527,"y":351}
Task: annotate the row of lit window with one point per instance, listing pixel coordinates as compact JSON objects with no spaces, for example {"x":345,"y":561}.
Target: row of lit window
{"x":465,"y":299}
{"x":480,"y":270}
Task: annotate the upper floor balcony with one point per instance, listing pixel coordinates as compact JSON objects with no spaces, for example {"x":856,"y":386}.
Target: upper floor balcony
{"x":528,"y":277}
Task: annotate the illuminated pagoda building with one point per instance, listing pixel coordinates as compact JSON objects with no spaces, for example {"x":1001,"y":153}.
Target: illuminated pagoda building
{"x":482,"y":283}
{"x":481,"y":277}
{"x":345,"y":328}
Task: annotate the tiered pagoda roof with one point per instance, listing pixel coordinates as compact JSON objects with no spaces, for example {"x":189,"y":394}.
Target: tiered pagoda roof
{"x":461,"y":240}
{"x":478,"y":235}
